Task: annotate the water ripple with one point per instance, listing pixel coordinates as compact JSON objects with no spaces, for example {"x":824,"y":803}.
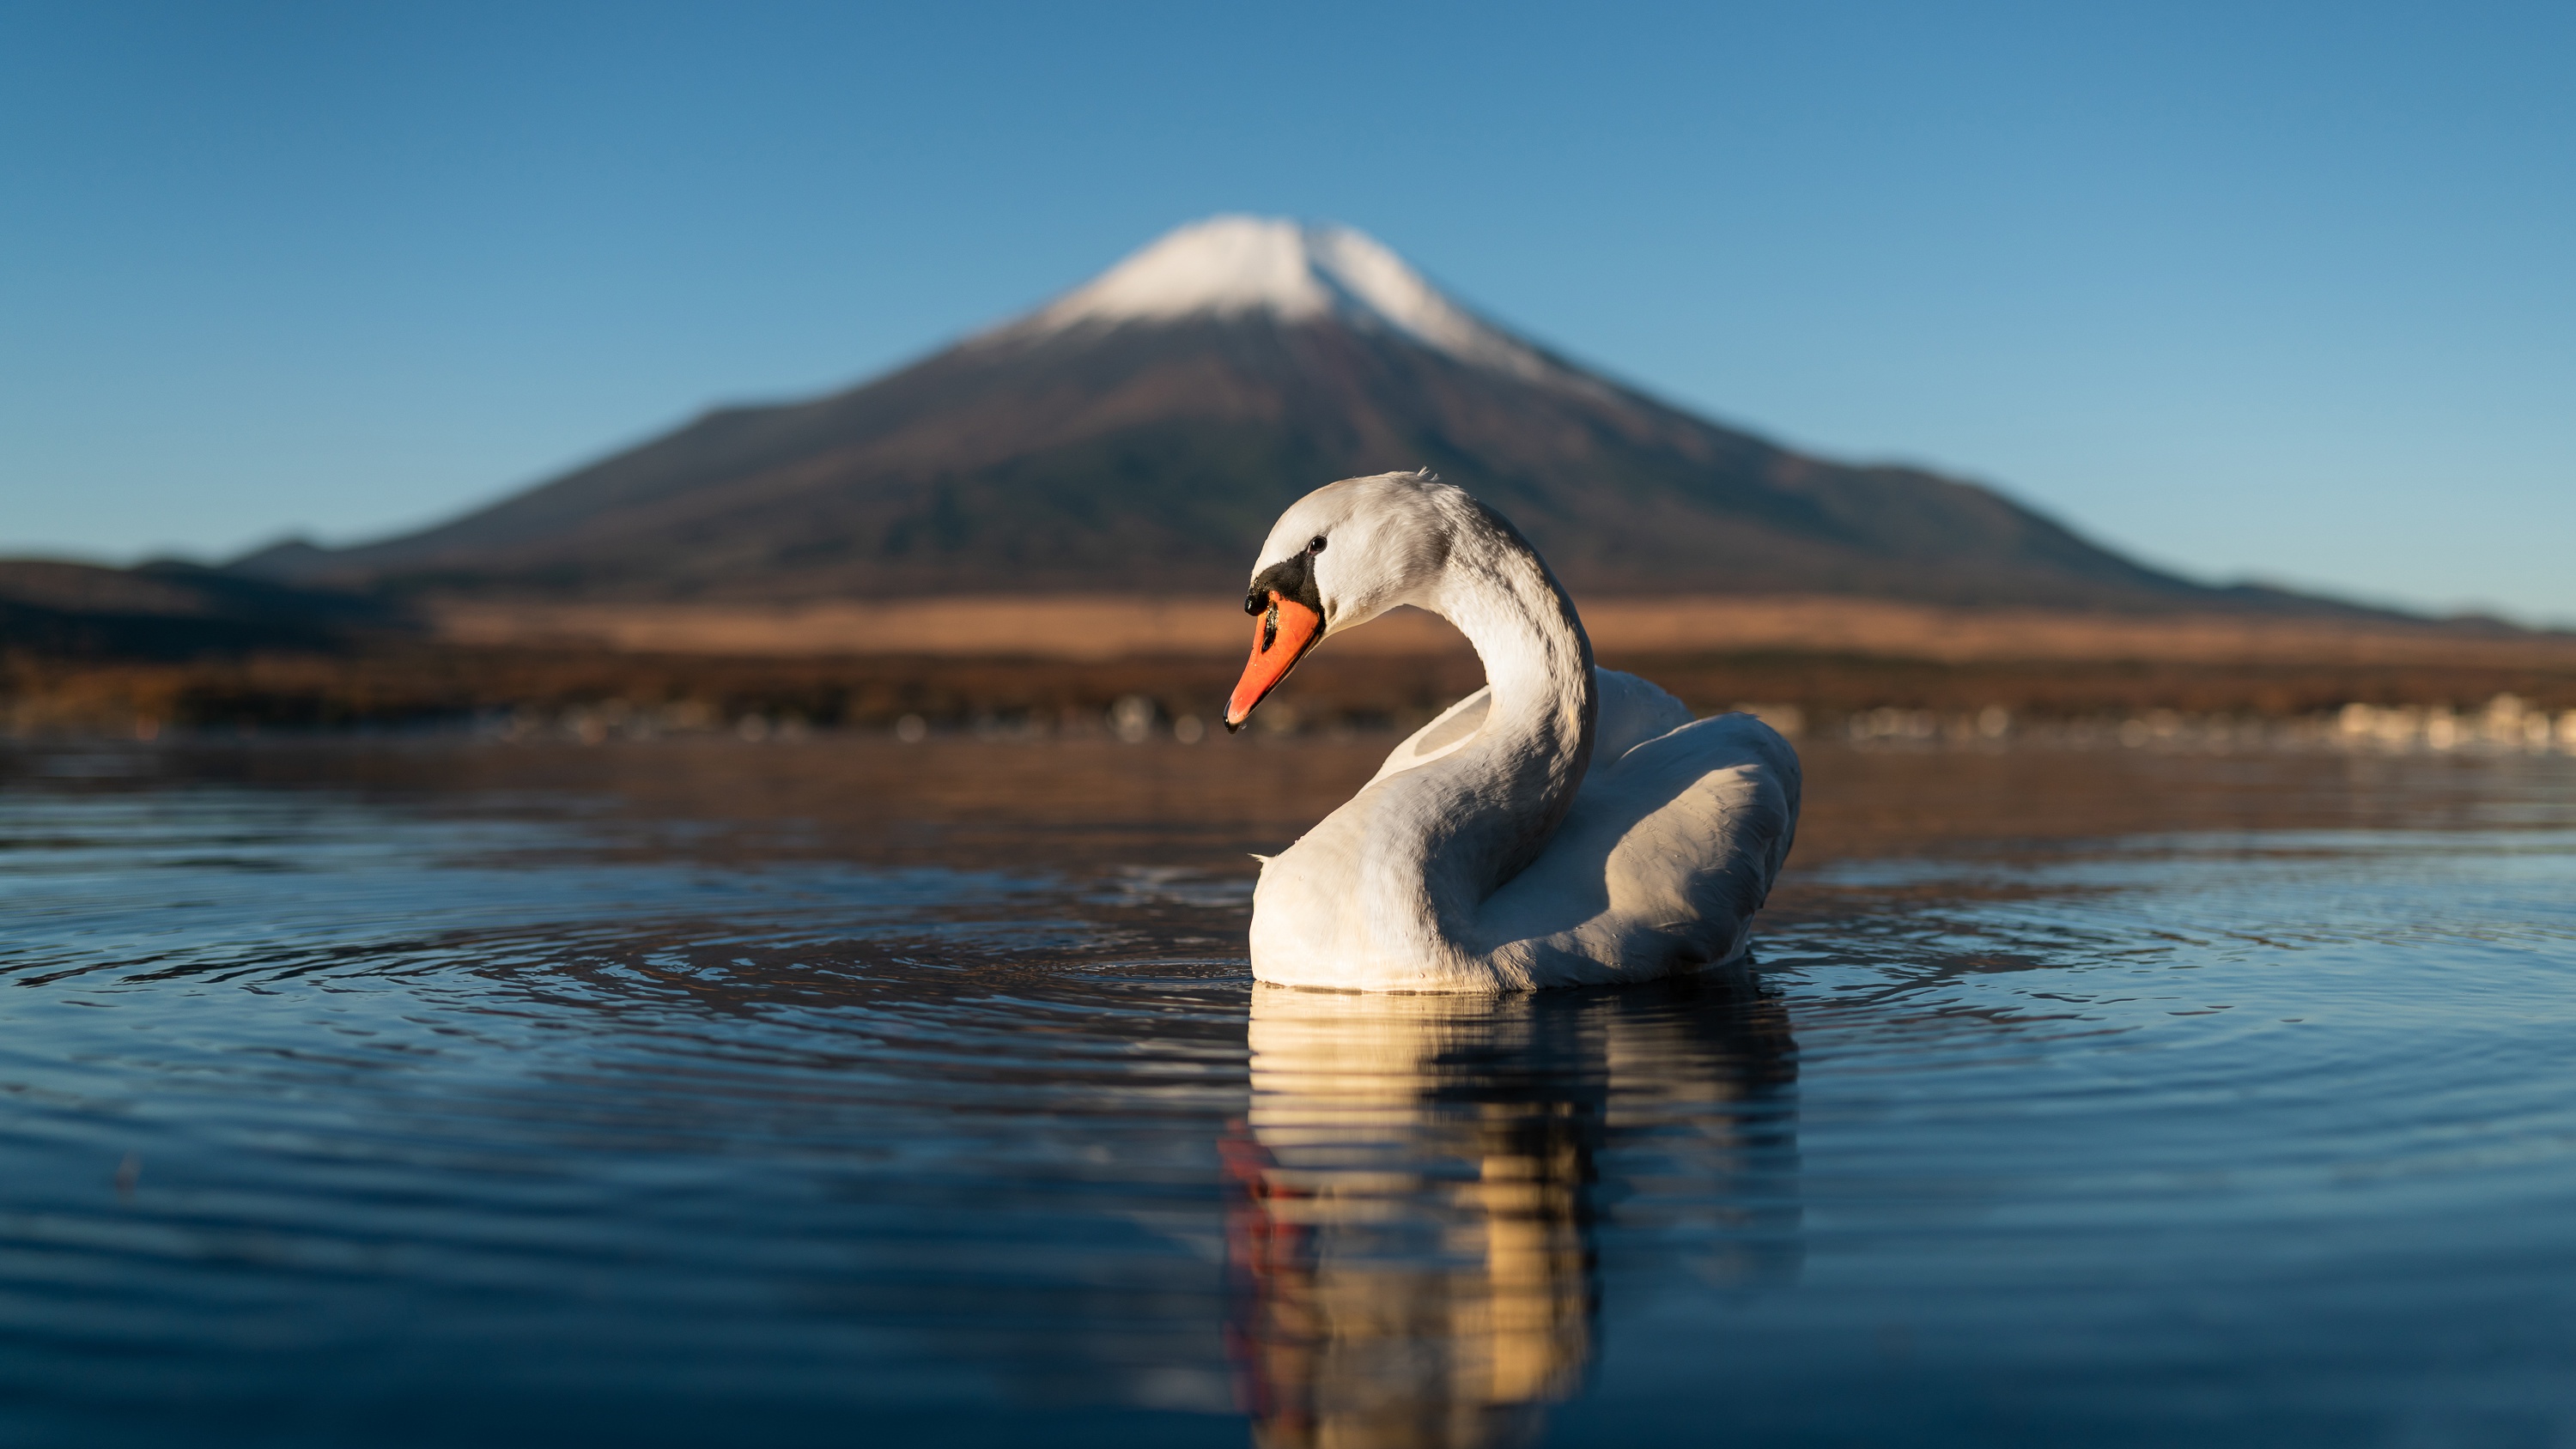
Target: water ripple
{"x":335,"y":1112}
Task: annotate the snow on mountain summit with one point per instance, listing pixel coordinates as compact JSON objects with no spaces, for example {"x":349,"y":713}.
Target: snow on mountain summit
{"x":1232,"y":266}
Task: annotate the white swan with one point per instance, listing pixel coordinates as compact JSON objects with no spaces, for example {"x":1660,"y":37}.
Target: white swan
{"x":1564,"y":825}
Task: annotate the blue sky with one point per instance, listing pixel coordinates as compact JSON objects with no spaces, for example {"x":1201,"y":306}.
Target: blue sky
{"x":2275,"y":291}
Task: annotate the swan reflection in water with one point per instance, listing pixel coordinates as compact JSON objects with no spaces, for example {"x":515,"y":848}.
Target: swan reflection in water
{"x":1415,"y":1232}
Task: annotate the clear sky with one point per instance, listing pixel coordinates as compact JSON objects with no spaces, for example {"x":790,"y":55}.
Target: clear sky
{"x":2284,"y":291}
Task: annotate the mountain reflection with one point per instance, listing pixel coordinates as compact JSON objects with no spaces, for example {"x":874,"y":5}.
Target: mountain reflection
{"x":1415,"y":1235}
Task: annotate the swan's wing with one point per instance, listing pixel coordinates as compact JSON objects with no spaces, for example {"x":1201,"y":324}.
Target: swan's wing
{"x":1661,"y":863}
{"x":1454,"y":726}
{"x":1632,"y":712}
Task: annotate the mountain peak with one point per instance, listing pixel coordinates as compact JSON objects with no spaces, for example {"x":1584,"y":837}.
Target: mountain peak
{"x":1236,"y":266}
{"x":1139,"y":434}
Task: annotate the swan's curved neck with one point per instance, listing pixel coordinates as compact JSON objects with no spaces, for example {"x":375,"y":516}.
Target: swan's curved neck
{"x":1484,"y":812}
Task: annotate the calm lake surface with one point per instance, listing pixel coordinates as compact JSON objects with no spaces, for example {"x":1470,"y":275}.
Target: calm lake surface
{"x":847,"y":1092}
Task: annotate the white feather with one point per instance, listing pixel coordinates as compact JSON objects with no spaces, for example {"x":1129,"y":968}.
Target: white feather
{"x":1563,"y":825}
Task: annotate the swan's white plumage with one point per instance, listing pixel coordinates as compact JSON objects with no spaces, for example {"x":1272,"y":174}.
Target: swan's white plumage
{"x":1564,"y":825}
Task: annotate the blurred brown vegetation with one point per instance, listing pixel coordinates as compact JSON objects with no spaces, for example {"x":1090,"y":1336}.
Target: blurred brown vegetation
{"x":93,"y":650}
{"x":424,"y":684}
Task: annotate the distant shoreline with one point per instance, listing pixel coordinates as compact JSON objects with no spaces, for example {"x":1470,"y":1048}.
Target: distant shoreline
{"x":586,"y":691}
{"x":1102,"y":627}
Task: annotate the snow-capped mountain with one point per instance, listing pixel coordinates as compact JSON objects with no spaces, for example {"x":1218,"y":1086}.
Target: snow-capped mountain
{"x":1231,"y":267}
{"x":1139,"y":434}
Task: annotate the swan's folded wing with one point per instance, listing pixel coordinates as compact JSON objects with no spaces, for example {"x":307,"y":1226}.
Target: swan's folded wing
{"x":1632,"y":711}
{"x":1661,"y":863}
{"x":1452,"y":728}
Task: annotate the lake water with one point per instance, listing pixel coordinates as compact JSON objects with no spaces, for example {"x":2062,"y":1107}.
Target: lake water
{"x":841,"y":1091}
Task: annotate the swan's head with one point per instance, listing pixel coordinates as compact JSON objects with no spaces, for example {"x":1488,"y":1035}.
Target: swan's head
{"x":1339,"y":557}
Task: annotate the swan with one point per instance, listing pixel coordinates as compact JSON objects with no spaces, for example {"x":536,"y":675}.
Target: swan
{"x":1564,"y":825}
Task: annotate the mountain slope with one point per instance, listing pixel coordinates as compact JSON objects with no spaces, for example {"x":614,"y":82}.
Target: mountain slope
{"x":1140,"y":434}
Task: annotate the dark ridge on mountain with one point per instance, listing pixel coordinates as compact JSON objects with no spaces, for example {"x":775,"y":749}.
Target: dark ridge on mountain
{"x":1141,"y":434}
{"x":176,"y":611}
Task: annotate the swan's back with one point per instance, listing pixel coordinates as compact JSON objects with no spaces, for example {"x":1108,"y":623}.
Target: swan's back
{"x":1672,"y":844}
{"x":1670,"y":847}
{"x":1660,"y":865}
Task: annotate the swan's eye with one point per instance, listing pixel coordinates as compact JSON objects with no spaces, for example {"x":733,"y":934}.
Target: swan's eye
{"x":1317,"y":546}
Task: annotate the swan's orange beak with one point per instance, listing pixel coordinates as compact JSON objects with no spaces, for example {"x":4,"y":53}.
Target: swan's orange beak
{"x":1280,"y":637}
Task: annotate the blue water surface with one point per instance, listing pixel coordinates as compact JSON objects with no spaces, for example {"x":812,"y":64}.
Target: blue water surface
{"x":411,"y":1094}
